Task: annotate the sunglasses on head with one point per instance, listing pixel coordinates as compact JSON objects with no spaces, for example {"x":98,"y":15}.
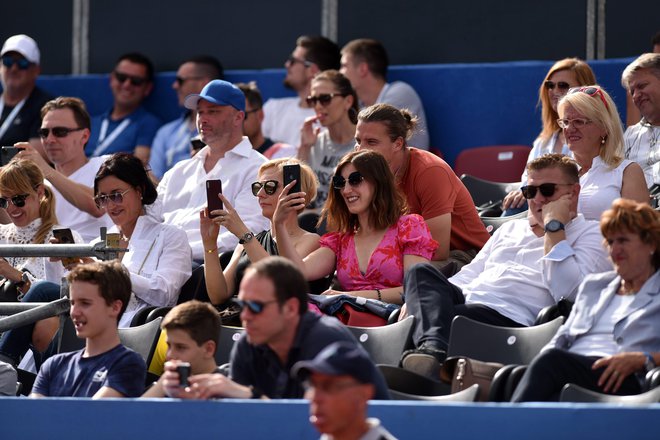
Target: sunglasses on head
{"x":354,"y":179}
{"x":116,"y":197}
{"x":324,"y":99}
{"x":546,"y":189}
{"x":591,"y":91}
{"x":135,"y":80}
{"x":256,"y":307}
{"x":18,"y":201}
{"x":269,"y":186}
{"x":22,"y":63}
{"x":561,"y":85}
{"x":58,"y":132}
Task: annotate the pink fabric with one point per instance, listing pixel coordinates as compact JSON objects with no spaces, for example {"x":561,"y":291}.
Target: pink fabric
{"x":410,"y":236}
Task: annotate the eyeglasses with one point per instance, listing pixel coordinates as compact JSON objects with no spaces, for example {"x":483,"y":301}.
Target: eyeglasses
{"x":269,"y":186}
{"x":591,"y":91}
{"x":255,"y":307}
{"x":116,"y":197}
{"x":22,"y":63}
{"x":547,"y":189}
{"x":354,"y":179}
{"x":135,"y":80}
{"x":254,"y":110}
{"x":293,"y":60}
{"x":577,"y":122}
{"x":18,"y":201}
{"x":561,"y":85}
{"x":323,"y":99}
{"x":180,"y":80}
{"x":58,"y":132}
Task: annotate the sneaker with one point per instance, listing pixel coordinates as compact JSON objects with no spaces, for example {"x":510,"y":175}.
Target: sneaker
{"x":425,"y":360}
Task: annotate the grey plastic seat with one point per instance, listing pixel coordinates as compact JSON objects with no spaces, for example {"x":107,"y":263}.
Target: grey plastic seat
{"x":467,"y":395}
{"x":228,"y":336}
{"x":387,"y":343}
{"x":486,"y":191}
{"x":576,"y":393}
{"x":492,"y":224}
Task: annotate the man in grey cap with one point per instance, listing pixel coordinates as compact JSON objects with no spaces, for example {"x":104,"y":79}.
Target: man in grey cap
{"x":228,"y":156}
{"x":340,"y":381}
{"x":21,"y":100}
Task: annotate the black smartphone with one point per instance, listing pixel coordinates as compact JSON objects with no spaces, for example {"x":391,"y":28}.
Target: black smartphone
{"x":291,"y":173}
{"x":64,"y":236}
{"x":7,"y":154}
{"x":184,"y":373}
{"x":213,"y":202}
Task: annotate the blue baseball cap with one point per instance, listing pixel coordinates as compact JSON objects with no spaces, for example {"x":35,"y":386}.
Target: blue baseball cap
{"x":218,"y":92}
{"x":339,"y":359}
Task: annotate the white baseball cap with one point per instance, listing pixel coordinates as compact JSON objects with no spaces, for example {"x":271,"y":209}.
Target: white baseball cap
{"x":24,"y":45}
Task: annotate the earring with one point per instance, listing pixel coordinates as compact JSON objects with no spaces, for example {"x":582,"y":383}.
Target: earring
{"x":602,"y":140}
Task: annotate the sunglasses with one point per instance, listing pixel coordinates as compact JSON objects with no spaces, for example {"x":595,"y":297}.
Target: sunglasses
{"x":18,"y":201}
{"x":22,"y":63}
{"x":255,"y":307}
{"x":254,"y":110}
{"x":547,"y":189}
{"x":116,"y":197}
{"x":180,"y":80}
{"x":58,"y":132}
{"x":354,"y":179}
{"x":577,"y":122}
{"x":561,"y":85}
{"x":591,"y":91}
{"x":269,"y":186}
{"x":135,"y":80}
{"x":293,"y":60}
{"x":323,"y":99}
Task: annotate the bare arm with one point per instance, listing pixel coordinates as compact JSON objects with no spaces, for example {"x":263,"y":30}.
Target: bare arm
{"x":634,"y":184}
{"x":106,"y":392}
{"x":440,"y":228}
{"x":308,"y":135}
{"x":216,"y":280}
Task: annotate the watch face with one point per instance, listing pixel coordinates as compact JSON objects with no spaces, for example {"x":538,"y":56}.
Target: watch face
{"x":554,"y":226}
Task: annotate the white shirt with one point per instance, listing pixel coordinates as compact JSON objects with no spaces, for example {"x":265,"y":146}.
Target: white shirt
{"x":283,"y":119}
{"x":512,"y":276}
{"x":599,"y":187}
{"x":402,"y":95}
{"x":642,"y":143}
{"x":70,"y":216}
{"x":182,"y":194}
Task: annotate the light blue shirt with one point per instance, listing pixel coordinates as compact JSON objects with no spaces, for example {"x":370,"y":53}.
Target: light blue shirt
{"x":171,"y":145}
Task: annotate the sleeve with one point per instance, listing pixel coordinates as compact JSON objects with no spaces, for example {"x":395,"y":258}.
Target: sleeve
{"x":127,"y":375}
{"x":415,"y":237}
{"x":471,"y":271}
{"x":157,"y":159}
{"x":239,"y":365}
{"x":148,"y":128}
{"x":332,"y":241}
{"x":42,"y":382}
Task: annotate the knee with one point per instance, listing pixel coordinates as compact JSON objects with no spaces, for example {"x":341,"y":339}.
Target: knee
{"x":42,"y":291}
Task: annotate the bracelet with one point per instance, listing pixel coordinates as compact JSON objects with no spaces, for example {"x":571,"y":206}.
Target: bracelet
{"x":210,"y":251}
{"x":380,"y":298}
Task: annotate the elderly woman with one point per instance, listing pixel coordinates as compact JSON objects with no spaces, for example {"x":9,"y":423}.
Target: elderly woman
{"x":612,"y":337}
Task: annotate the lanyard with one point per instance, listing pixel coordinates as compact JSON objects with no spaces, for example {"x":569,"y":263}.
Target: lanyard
{"x":181,"y":142}
{"x":11,"y":116}
{"x":104,"y":142}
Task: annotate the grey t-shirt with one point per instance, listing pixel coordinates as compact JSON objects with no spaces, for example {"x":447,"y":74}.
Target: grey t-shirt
{"x":323,"y":159}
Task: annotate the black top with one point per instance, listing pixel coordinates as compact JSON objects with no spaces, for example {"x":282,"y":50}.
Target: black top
{"x":28,"y":121}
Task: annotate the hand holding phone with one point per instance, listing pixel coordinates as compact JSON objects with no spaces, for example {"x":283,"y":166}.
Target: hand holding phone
{"x":213,"y":202}
{"x":64,"y":236}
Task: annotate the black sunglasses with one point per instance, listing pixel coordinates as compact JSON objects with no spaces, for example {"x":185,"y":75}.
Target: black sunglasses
{"x":22,"y":63}
{"x":18,"y":201}
{"x":324,"y":99}
{"x":58,"y":132}
{"x":547,"y":189}
{"x":293,"y":60}
{"x":561,"y":85}
{"x":135,"y":80}
{"x":180,"y":80}
{"x":255,"y":307}
{"x":354,"y":179}
{"x":269,"y":186}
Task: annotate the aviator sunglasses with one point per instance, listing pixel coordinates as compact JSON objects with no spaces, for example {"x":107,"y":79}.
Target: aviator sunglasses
{"x":269,"y":186}
{"x":547,"y":189}
{"x":255,"y":307}
{"x":354,"y":179}
{"x":18,"y":201}
{"x":116,"y":197}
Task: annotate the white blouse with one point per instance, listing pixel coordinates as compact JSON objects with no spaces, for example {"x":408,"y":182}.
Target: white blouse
{"x":600,"y":186}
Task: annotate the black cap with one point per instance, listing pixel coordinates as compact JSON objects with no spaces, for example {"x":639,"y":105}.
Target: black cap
{"x":339,"y":359}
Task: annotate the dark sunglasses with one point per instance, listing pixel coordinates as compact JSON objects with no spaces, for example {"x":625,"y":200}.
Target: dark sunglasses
{"x":561,"y":85}
{"x":180,"y":80}
{"x":22,"y":63}
{"x":269,"y":186}
{"x":591,"y":91}
{"x":354,"y":179}
{"x":323,"y":99}
{"x":135,"y":80}
{"x":547,"y":189}
{"x":116,"y":197}
{"x":18,"y":201}
{"x":255,"y":307}
{"x":293,"y":60}
{"x":58,"y":132}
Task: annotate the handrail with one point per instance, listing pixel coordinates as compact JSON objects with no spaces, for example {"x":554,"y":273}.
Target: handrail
{"x":41,"y":311}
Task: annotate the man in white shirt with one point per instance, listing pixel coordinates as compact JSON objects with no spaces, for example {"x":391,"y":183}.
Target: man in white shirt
{"x":228,"y":156}
{"x":283,"y":117}
{"x":526,"y":266}
{"x":642,"y":141}
{"x":364,"y":62}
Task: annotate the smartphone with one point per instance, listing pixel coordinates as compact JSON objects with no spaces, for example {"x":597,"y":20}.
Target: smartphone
{"x":213,"y":202}
{"x":291,"y":173}
{"x":7,"y":154}
{"x":64,"y":236}
{"x":184,"y":373}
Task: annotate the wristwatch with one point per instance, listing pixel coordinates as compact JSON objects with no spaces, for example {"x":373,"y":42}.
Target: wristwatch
{"x":649,"y":364}
{"x":554,"y":226}
{"x":246,"y":238}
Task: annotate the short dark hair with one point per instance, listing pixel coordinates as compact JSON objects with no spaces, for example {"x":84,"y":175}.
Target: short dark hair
{"x":320,"y":51}
{"x":207,"y":66}
{"x":288,"y":280}
{"x":138,"y":58}
{"x":370,"y":51}
{"x":76,"y":105}
{"x":252,"y":94}
{"x":555,"y":160}
{"x":199,"y":319}
{"x":129,"y":169}
{"x":111,"y":277}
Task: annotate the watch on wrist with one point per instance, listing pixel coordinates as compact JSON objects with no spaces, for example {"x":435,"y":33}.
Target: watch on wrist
{"x":649,"y":364}
{"x":246,"y":238}
{"x":554,"y":226}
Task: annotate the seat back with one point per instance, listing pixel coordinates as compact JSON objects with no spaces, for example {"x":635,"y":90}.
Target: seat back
{"x":142,"y":339}
{"x":467,"y":395}
{"x":408,"y":382}
{"x":507,"y":345}
{"x":228,"y":336}
{"x":575,"y":393}
{"x":486,"y":191}
{"x":387,"y":343}
{"x":498,"y":163}
{"x":492,"y":224}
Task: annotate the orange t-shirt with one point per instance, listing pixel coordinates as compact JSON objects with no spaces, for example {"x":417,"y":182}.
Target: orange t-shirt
{"x":432,"y":189}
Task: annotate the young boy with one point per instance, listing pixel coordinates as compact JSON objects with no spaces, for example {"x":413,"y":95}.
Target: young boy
{"x":192,"y":334}
{"x":99,"y":293}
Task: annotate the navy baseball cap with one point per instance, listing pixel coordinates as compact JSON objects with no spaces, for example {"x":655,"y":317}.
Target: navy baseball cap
{"x":339,"y":359}
{"x":218,"y":92}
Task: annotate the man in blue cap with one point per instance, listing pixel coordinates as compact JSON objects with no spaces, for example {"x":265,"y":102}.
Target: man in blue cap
{"x":228,"y":156}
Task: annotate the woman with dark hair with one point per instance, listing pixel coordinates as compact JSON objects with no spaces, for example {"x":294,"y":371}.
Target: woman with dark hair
{"x":374,"y":241}
{"x":336,"y":106}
